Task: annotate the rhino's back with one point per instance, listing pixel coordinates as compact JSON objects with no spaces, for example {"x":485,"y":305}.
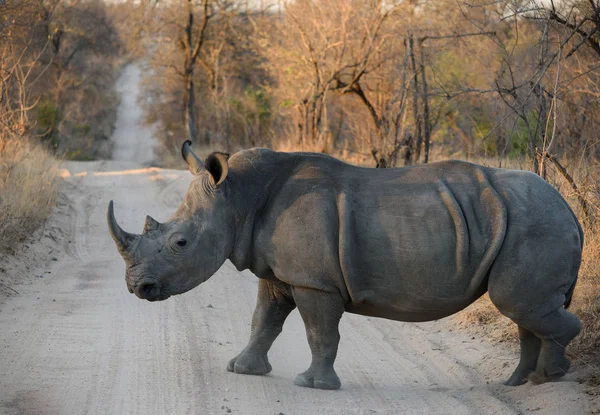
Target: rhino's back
{"x":412,"y":243}
{"x":417,"y":243}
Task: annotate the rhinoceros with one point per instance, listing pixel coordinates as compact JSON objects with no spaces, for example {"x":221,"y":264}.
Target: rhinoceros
{"x":410,"y":244}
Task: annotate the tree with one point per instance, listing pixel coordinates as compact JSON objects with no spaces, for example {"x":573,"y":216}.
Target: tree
{"x":191,"y":44}
{"x":340,"y":43}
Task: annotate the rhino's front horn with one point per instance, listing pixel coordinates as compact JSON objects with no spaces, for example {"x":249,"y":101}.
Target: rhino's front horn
{"x":124,"y":240}
{"x":193,"y":161}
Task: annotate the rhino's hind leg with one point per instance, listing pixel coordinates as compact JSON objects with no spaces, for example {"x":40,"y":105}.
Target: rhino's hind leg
{"x":274,"y":303}
{"x":543,"y":315}
{"x":530,"y":350}
{"x":556,"y":330}
{"x":321,"y":312}
{"x":544,"y":360}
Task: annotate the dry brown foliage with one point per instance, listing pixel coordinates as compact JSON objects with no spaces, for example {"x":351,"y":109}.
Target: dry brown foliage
{"x":28,"y":189}
{"x":586,"y":300}
{"x":58,"y":66}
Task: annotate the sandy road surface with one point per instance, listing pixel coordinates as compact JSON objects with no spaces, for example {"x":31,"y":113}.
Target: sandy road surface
{"x":133,"y":140}
{"x":74,"y":340}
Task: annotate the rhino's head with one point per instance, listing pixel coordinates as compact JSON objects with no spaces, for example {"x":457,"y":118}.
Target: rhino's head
{"x":174,"y":257}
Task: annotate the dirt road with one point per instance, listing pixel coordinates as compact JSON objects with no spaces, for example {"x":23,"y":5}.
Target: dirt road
{"x":133,"y":140}
{"x":75,"y":341}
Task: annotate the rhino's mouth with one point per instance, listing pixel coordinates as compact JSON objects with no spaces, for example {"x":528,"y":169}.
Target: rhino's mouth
{"x":151,"y":289}
{"x":160,"y":297}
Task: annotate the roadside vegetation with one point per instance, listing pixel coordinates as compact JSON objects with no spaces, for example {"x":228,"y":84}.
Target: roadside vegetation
{"x":28,"y":190}
{"x":59,"y":61}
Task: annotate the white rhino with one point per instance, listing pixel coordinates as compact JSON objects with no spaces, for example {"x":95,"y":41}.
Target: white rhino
{"x":410,"y":244}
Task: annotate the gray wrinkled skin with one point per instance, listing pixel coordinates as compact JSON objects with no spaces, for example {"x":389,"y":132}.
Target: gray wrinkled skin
{"x":410,"y":244}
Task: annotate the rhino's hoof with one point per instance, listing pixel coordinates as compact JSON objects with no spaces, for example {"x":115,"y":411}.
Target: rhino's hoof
{"x":519,"y":376}
{"x":246,"y":364}
{"x":538,"y":378}
{"x":552,"y":372}
{"x":307,"y":380}
{"x":515,"y":381}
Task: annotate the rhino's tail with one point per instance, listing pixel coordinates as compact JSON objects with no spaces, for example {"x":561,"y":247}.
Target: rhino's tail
{"x":569,"y":293}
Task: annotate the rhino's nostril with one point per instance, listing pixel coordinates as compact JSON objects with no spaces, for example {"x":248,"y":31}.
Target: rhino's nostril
{"x":146,"y":288}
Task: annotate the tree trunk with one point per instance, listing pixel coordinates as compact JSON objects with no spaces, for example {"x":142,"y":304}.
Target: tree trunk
{"x":540,"y":129}
{"x":467,"y":139}
{"x":191,"y":50}
{"x":418,"y":138}
{"x":301,"y":121}
{"x":408,"y":148}
{"x":189,"y":106}
{"x":426,"y":123}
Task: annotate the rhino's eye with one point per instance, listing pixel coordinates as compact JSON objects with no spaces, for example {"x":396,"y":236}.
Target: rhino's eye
{"x":177,"y":241}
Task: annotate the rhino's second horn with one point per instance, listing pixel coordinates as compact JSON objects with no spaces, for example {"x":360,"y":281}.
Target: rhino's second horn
{"x":151,"y":224}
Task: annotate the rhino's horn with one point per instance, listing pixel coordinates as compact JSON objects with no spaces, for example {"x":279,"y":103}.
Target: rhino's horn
{"x":193,"y":161}
{"x":124,"y":240}
{"x":151,"y":224}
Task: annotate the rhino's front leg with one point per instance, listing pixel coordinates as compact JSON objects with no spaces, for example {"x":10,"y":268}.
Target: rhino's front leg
{"x":321,"y":312}
{"x":273,"y":305}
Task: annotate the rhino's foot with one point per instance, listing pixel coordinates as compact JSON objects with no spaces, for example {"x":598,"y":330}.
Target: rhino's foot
{"x":539,"y":378}
{"x":308,"y":379}
{"x":519,"y":377}
{"x":550,"y":373}
{"x":530,"y":351}
{"x":249,"y":364}
{"x":522,"y":372}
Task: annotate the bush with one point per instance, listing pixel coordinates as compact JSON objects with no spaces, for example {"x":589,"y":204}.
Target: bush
{"x":28,"y":190}
{"x":48,"y":118}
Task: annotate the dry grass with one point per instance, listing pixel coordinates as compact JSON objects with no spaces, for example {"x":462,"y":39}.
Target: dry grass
{"x":586,"y":300}
{"x":348,"y":155}
{"x":171,"y":159}
{"x":28,"y":190}
{"x":483,"y":317}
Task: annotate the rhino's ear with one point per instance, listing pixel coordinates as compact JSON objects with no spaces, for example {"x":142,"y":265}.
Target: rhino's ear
{"x":217,"y":166}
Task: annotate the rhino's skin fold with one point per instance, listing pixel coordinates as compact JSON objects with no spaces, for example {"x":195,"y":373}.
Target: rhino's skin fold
{"x":410,"y":244}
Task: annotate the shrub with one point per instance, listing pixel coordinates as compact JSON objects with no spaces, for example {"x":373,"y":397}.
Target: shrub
{"x":28,"y":190}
